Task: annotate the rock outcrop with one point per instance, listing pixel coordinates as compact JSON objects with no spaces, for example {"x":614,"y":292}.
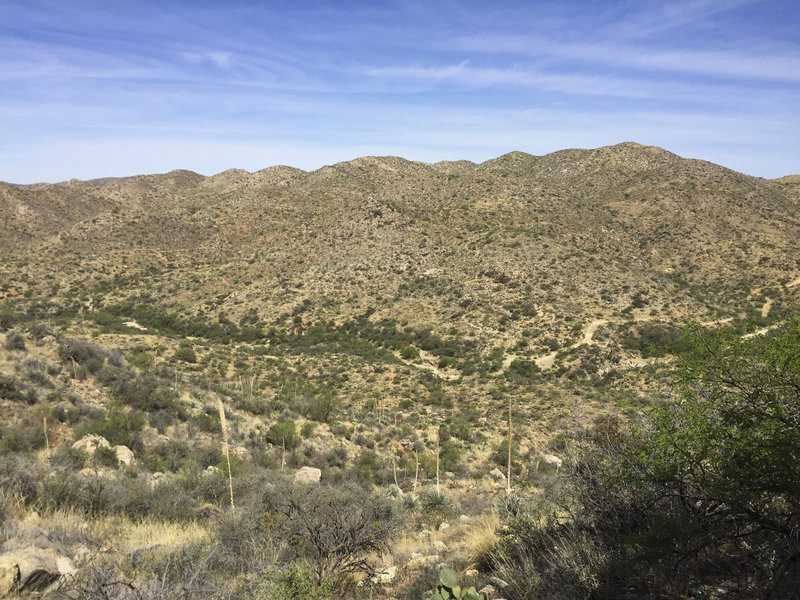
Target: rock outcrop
{"x":31,"y":570}
{"x":307,"y":475}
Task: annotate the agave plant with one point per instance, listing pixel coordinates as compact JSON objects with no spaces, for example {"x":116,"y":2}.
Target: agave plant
{"x":411,"y":502}
{"x":436,"y":502}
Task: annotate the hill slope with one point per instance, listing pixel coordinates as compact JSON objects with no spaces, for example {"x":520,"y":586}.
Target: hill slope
{"x":377,"y":319}
{"x":515,"y":243}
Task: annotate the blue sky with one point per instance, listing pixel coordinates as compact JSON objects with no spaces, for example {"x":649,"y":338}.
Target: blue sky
{"x":113,"y":88}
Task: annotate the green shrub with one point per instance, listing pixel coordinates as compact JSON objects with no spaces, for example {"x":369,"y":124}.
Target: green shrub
{"x":90,"y":495}
{"x":186,"y":354}
{"x":83,"y":353}
{"x":334,"y":530}
{"x":174,"y":454}
{"x":8,"y":318}
{"x":166,"y":500}
{"x":308,"y":429}
{"x":15,"y":340}
{"x":283,"y":434}
{"x":18,"y":477}
{"x":144,"y":392}
{"x":370,"y":467}
{"x":206,"y":422}
{"x":142,"y":360}
{"x":409,"y":353}
{"x":22,"y":437}
{"x":500,"y":455}
{"x":297,"y":583}
{"x":9,"y":389}
{"x":69,"y":458}
{"x":707,"y":490}
{"x":105,"y":457}
{"x":118,"y":426}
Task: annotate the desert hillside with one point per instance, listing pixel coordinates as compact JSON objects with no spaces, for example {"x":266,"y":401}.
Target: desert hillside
{"x":373,"y":326}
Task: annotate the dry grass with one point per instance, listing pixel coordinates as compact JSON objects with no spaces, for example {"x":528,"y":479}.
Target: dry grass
{"x":480,"y":539}
{"x":149,"y":532}
{"x":118,"y":532}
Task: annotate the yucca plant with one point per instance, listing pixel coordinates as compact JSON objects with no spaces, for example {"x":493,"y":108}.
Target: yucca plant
{"x":411,"y":502}
{"x":225,"y":447}
{"x":437,"y":504}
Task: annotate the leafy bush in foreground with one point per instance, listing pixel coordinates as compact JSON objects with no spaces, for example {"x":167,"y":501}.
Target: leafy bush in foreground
{"x":706,"y":493}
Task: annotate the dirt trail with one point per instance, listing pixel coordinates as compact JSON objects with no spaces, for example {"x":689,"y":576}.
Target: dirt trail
{"x":547,"y":361}
{"x":588,"y":331}
{"x":429,"y":362}
{"x":766,"y":307}
{"x":717,"y":322}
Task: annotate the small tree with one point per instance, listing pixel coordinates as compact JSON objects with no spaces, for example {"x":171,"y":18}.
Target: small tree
{"x":722,"y":459}
{"x":705,"y":491}
{"x":710,"y":490}
{"x":283,"y":434}
{"x":334,"y":529}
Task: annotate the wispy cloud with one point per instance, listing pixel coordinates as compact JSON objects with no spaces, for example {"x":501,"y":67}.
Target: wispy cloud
{"x":219,"y":59}
{"x":152,"y":86}
{"x":778,"y":62}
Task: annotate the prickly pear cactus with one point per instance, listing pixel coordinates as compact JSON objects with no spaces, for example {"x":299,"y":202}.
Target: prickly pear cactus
{"x":449,"y":589}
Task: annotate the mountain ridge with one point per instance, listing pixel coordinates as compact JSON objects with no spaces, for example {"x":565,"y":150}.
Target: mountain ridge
{"x":571,"y":236}
{"x":101,"y":181}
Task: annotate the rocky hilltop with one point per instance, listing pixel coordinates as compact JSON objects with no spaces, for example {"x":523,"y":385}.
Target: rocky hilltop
{"x":514,"y":243}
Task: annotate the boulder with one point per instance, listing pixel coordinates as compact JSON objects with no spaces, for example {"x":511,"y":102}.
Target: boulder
{"x":422,"y":561}
{"x":32,"y":569}
{"x":90,"y":443}
{"x":498,"y":583}
{"x":240,"y":452}
{"x":386,"y":576}
{"x":9,"y":576}
{"x":551,"y":460}
{"x":124,"y":454}
{"x":307,"y":475}
{"x":497,"y":474}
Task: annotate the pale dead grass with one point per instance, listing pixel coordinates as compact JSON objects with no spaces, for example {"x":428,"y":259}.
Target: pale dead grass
{"x":479,"y":538}
{"x":150,"y":532}
{"x":119,"y":531}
